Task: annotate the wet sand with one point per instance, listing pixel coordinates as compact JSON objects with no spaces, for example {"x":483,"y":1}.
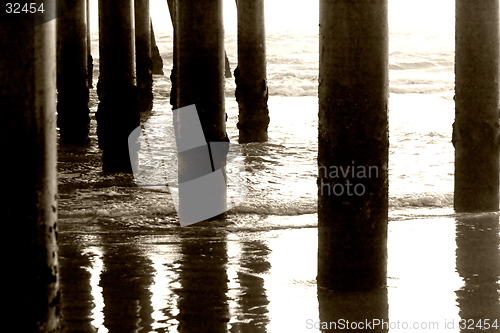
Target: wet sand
{"x":219,"y":278}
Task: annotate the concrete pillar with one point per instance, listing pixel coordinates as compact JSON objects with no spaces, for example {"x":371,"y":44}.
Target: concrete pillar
{"x":28,"y":142}
{"x":117,"y":114}
{"x":173,"y":74}
{"x":250,"y":75}
{"x":72,"y":80}
{"x":90,"y":60}
{"x":476,"y":127}
{"x":227,"y":69}
{"x":200,"y":63}
{"x":353,"y":145}
{"x":143,"y":55}
{"x":155,"y":55}
{"x":199,"y":80}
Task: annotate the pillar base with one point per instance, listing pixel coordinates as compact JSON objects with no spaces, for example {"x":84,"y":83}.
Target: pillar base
{"x":145,"y":98}
{"x":117,"y":116}
{"x":253,"y":118}
{"x":73,"y":117}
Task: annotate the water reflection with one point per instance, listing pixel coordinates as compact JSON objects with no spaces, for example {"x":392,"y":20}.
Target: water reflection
{"x":478,"y":263}
{"x":352,"y":311}
{"x":198,"y":279}
{"x":229,"y":279}
{"x":75,"y":277}
{"x":166,"y":281}
{"x":125,"y":282}
{"x":252,"y":299}
{"x":203,"y":281}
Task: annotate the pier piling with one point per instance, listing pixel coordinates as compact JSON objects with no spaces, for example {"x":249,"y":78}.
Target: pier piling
{"x":118,"y":114}
{"x":72,"y":74}
{"x":199,"y":79}
{"x":90,"y":60}
{"x":173,"y":72}
{"x":476,"y":127}
{"x":200,"y":63}
{"x":28,"y":142}
{"x":144,"y":62}
{"x":250,"y":75}
{"x":353,"y":145}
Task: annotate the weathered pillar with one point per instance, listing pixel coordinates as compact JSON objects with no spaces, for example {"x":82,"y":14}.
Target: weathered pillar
{"x":28,"y":143}
{"x":353,"y":144}
{"x":90,"y":60}
{"x":117,"y":114}
{"x":476,"y":127}
{"x":72,"y":74}
{"x":227,"y":70}
{"x":143,"y":55}
{"x":200,"y":63}
{"x":173,"y":74}
{"x":155,"y":55}
{"x":250,"y":75}
{"x":199,"y":80}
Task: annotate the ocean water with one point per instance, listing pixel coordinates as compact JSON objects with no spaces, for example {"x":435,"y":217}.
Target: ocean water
{"x":281,"y":174}
{"x":127,"y":265}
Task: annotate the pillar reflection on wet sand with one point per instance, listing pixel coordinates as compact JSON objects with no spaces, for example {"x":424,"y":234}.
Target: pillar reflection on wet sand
{"x":126,"y":282}
{"x":77,"y":301}
{"x":203,"y":303}
{"x":353,"y":311}
{"x":478,"y":264}
{"x":253,"y":300}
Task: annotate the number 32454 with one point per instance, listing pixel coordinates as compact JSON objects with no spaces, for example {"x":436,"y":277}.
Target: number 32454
{"x":28,"y":8}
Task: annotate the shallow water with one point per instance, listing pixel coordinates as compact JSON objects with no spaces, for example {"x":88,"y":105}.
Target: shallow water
{"x":258,"y":275}
{"x":127,"y":265}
